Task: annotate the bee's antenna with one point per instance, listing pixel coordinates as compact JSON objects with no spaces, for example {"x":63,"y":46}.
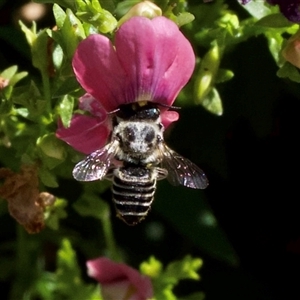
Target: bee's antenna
{"x":113,"y":111}
{"x":170,"y":106}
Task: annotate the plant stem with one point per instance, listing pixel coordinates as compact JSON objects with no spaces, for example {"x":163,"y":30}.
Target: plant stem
{"x":23,"y":277}
{"x":109,"y":237}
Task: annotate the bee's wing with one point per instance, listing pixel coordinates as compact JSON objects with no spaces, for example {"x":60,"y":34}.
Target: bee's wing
{"x":182,"y":171}
{"x":96,"y":165}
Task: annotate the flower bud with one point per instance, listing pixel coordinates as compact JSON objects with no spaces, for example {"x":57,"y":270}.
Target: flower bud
{"x":3,"y":82}
{"x":291,"y":52}
{"x":145,"y":9}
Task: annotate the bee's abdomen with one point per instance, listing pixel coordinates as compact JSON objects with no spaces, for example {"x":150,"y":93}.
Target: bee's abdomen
{"x":133,"y":192}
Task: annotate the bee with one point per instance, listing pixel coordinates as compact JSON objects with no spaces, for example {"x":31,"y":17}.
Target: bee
{"x":135,"y":158}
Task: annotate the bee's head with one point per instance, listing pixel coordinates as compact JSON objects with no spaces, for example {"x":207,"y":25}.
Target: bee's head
{"x":138,"y":138}
{"x":138,"y":111}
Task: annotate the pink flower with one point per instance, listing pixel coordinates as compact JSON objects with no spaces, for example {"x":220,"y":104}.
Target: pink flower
{"x":118,"y":281}
{"x":150,"y":60}
{"x":86,"y":132}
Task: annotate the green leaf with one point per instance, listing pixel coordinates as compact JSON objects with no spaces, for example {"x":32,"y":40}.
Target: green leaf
{"x":224,"y":75}
{"x":90,"y":11}
{"x":165,"y":281}
{"x":39,"y":50}
{"x":9,"y":72}
{"x":186,"y":268}
{"x":12,"y":75}
{"x":289,"y":71}
{"x":30,"y":98}
{"x":68,"y":37}
{"x":208,"y":69}
{"x":91,"y":205}
{"x":151,"y":268}
{"x":55,"y":213}
{"x":30,"y":33}
{"x":276,"y":20}
{"x":275,"y":41}
{"x":59,"y":15}
{"x":68,"y":86}
{"x":124,"y":6}
{"x":213,"y":103}
{"x":184,"y":18}
{"x":257,"y":8}
{"x":47,"y":178}
{"x":69,"y":283}
{"x":72,"y":33}
{"x":52,"y":147}
{"x":17,"y":77}
{"x":66,"y":110}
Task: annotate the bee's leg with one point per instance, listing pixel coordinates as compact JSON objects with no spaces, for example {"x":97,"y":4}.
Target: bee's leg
{"x":161,"y":173}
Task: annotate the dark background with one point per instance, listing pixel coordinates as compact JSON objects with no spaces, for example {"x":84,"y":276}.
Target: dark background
{"x":251,"y":157}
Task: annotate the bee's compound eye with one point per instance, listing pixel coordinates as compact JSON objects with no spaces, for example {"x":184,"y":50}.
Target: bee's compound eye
{"x":150,"y":136}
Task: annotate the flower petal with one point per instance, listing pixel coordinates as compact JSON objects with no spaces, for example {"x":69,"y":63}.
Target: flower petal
{"x":98,"y":70}
{"x":108,"y":272}
{"x":88,"y":103}
{"x":152,"y":61}
{"x":85,"y":134}
{"x":156,"y":56}
{"x":168,"y":117}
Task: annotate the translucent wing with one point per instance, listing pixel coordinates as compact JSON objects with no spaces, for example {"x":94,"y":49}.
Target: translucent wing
{"x":96,"y":165}
{"x":182,"y":171}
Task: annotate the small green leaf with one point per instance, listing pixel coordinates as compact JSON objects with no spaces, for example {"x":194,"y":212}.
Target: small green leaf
{"x":52,"y":146}
{"x":30,"y":98}
{"x":30,"y":33}
{"x":164,"y":281}
{"x":9,"y":72}
{"x":57,"y":56}
{"x":68,"y":86}
{"x":289,"y":71}
{"x":55,"y":213}
{"x":208,"y":68}
{"x":66,"y":110}
{"x":213,"y":103}
{"x":59,"y":15}
{"x":151,"y":268}
{"x":91,"y":205}
{"x":66,"y":261}
{"x":124,"y":6}
{"x":224,"y":75}
{"x":257,"y":8}
{"x":91,"y":12}
{"x":39,"y":49}
{"x":184,"y":18}
{"x":186,"y":268}
{"x":276,"y":20}
{"x":48,"y":178}
{"x":17,"y":77}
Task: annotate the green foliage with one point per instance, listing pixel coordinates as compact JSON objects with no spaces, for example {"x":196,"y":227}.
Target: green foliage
{"x":92,"y":13}
{"x":164,"y":280}
{"x":55,"y":213}
{"x":66,"y":282}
